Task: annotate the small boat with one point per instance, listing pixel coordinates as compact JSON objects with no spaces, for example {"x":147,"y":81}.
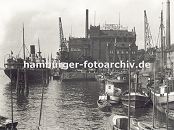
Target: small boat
{"x":120,"y":78}
{"x":160,"y":95}
{"x":6,"y":123}
{"x":112,"y":94}
{"x":137,"y":99}
{"x":104,"y":105}
{"x":120,"y":122}
{"x":100,"y":78}
{"x":56,"y":74}
{"x":56,"y":77}
{"x":111,"y":99}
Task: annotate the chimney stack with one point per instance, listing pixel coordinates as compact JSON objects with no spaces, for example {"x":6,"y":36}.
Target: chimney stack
{"x":168,"y":25}
{"x":86,"y":28}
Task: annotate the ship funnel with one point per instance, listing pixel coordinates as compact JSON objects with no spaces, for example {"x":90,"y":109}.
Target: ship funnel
{"x":32,"y":49}
{"x":87,"y":22}
{"x":32,"y":52}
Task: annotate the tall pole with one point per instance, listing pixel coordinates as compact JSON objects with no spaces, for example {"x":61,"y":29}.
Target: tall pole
{"x":168,"y":40}
{"x":25,"y":71}
{"x":153,"y":117}
{"x":40,"y":116}
{"x":87,"y":24}
{"x":129,"y":88}
{"x":145,"y":22}
{"x":23,"y":43}
{"x":162,"y":42}
{"x":11,"y":99}
{"x":167,"y":112}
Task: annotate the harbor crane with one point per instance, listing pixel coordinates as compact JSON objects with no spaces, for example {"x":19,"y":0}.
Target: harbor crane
{"x":63,"y":43}
{"x":148,"y":42}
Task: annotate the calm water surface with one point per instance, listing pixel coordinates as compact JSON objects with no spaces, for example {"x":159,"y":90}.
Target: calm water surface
{"x":66,"y":106}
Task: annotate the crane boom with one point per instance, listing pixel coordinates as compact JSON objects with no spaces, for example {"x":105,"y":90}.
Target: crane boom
{"x":148,"y":42}
{"x":63,"y":45}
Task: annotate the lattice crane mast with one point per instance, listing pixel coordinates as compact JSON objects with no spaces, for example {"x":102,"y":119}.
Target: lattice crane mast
{"x":148,"y":42}
{"x":63,"y":42}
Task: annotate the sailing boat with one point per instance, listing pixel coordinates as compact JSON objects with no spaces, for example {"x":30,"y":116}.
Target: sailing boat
{"x":120,"y":122}
{"x":164,"y":94}
{"x":147,"y":126}
{"x":138,"y":98}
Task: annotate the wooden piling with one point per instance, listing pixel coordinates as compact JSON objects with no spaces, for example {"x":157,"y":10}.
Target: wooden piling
{"x":17,"y":82}
{"x":25,"y":82}
{"x":11,"y":100}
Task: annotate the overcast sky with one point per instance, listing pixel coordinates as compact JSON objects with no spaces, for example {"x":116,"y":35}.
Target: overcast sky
{"x":41,"y":20}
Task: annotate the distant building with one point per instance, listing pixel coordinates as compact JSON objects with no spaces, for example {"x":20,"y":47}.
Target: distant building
{"x":112,"y":43}
{"x":108,"y":44}
{"x":79,"y":49}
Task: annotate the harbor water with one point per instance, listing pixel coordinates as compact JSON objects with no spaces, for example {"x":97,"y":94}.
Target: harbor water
{"x":66,"y":106}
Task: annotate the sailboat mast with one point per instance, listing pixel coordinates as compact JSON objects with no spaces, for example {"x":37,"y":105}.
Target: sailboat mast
{"x":11,"y":98}
{"x":129,"y":89}
{"x":162,"y":41}
{"x":153,"y":115}
{"x":23,"y":43}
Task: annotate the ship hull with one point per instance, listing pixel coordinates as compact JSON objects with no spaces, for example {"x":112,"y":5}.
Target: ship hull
{"x":161,"y":103}
{"x":32,"y":75}
{"x":136,"y":100}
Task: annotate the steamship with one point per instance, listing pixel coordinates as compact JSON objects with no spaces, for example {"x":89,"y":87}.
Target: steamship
{"x":15,"y":70}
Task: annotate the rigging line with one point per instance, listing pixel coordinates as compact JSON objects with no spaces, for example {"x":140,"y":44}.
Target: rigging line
{"x":27,"y":49}
{"x":40,"y":116}
{"x":20,"y":50}
{"x":157,"y":43}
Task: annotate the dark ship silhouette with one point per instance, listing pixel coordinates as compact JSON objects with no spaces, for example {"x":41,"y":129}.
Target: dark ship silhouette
{"x":15,"y":70}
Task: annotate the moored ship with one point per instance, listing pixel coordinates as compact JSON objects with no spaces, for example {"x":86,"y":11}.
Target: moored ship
{"x":16,"y":68}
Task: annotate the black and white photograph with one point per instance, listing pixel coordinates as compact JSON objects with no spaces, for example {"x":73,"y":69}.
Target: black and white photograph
{"x":86,"y":65}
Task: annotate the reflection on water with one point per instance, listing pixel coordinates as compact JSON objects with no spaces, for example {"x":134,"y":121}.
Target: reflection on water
{"x":66,"y":106}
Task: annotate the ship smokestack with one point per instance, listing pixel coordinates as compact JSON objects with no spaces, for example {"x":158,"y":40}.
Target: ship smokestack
{"x":32,"y":52}
{"x":168,"y":25}
{"x":86,"y":28}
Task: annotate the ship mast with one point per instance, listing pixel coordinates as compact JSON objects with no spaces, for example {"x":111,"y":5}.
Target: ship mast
{"x":153,"y":116}
{"x":23,"y":43}
{"x":162,"y":41}
{"x":129,"y":89}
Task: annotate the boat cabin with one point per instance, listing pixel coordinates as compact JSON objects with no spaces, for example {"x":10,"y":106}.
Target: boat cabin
{"x":120,"y":122}
{"x":109,"y":88}
{"x":169,"y":84}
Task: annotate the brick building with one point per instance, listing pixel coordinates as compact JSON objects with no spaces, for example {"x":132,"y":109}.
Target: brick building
{"x":108,"y":43}
{"x":104,"y":45}
{"x":112,"y":45}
